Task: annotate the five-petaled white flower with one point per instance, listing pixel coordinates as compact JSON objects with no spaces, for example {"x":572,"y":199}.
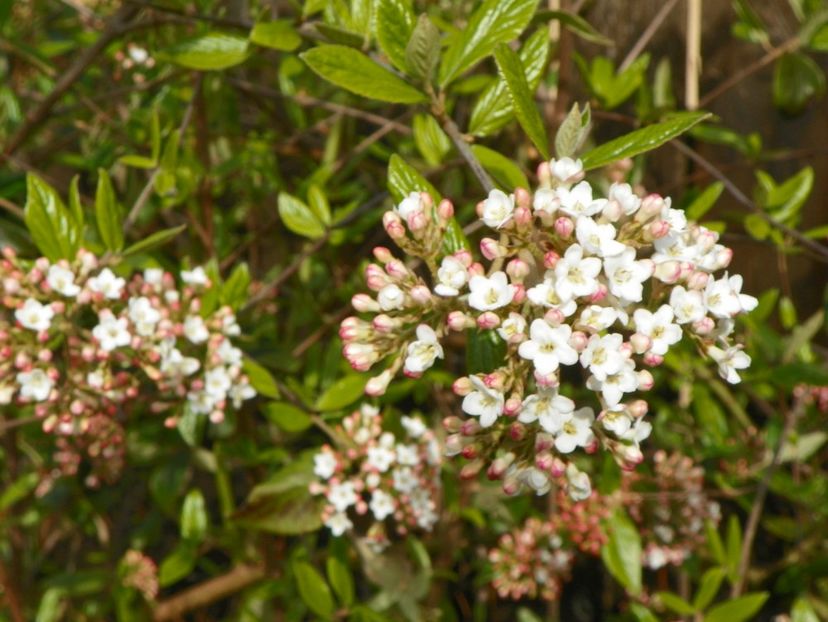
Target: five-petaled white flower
{"x":485,"y":403}
{"x":625,"y":197}
{"x":548,"y":347}
{"x":614,"y":385}
{"x":338,"y":523}
{"x":391,"y":297}
{"x":547,"y":408}
{"x":567,"y":170}
{"x":196,"y":276}
{"x":111,"y":332}
{"x":489,"y":293}
{"x":545,"y":294}
{"x":498,"y":209}
{"x":658,"y":327}
{"x":729,"y":361}
{"x":616,"y":420}
{"x":576,"y":275}
{"x":324,"y":464}
{"x":512,"y":329}
{"x":424,"y":351}
{"x":62,"y":280}
{"x":34,"y":315}
{"x":597,"y":239}
{"x":107,"y":284}
{"x":602,"y":355}
{"x":595,"y":318}
{"x":576,"y":430}
{"x":342,"y":496}
{"x":382,"y":504}
{"x":195,"y":329}
{"x":143,"y":315}
{"x":578,"y":201}
{"x":625,"y":275}
{"x":35,"y":385}
{"x":688,"y":305}
{"x":452,"y":275}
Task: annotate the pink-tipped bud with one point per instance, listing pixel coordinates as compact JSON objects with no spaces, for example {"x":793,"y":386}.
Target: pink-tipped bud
{"x":658,"y":229}
{"x":471,"y":470}
{"x":523,"y":216}
{"x":706,"y":240}
{"x":558,"y":468}
{"x":454,"y":444}
{"x":651,"y":207}
{"x":393,"y":225}
{"x":457,"y":321}
{"x":364,"y":303}
{"x":517,"y":269}
{"x":499,"y":466}
{"x":479,"y":208}
{"x":547,"y":381}
{"x":697,"y":280}
{"x":668,"y":271}
{"x":517,"y":431}
{"x":452,"y":424}
{"x":550,"y":259}
{"x":723,"y":258}
{"x":491,"y":249}
{"x":564,"y":227}
{"x":523,"y":198}
{"x":640,"y":343}
{"x":599,"y":294}
{"x":626,"y":349}
{"x":421,"y":295}
{"x":417,"y":221}
{"x":544,"y":461}
{"x":488,"y":320}
{"x":360,"y":355}
{"x":462,"y":386}
{"x":396,"y":269}
{"x":653,"y":360}
{"x":470,"y":427}
{"x":638,"y":408}
{"x":704,"y":326}
{"x":627,"y":456}
{"x":544,"y":174}
{"x":554,"y":317}
{"x":384,"y":324}
{"x":645,"y":380}
{"x":578,"y":340}
{"x":512,"y":406}
{"x":612,"y":211}
{"x":494,"y":380}
{"x":445,"y":210}
{"x":377,"y":385}
{"x":382,"y":254}
{"x":464,"y":257}
{"x":375,"y":277}
{"x":518,"y":293}
{"x":470,"y":451}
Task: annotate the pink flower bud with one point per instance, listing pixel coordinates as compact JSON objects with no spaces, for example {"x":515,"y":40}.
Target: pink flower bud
{"x":544,"y":174}
{"x":668,"y":271}
{"x":578,"y":340}
{"x":704,"y":326}
{"x":653,"y":360}
{"x":417,"y":221}
{"x":377,"y":385}
{"x":640,"y":343}
{"x":547,"y":381}
{"x":523,"y":216}
{"x":476,"y":269}
{"x":488,"y":320}
{"x":651,"y":207}
{"x":470,"y":427}
{"x":612,"y":211}
{"x":464,"y":257}
{"x":564,"y":227}
{"x":44,"y":356}
{"x":626,"y":349}
{"x":638,"y":408}
{"x":421,"y":295}
{"x":517,"y":431}
{"x":462,"y":386}
{"x":479,"y":208}
{"x":706,"y":240}
{"x":659,"y":228}
{"x":396,"y":269}
{"x":494,"y":380}
{"x":517,"y":269}
{"x":445,"y":210}
{"x":544,"y":461}
{"x":470,"y":451}
{"x":457,"y":321}
{"x":645,"y":380}
{"x":512,"y":406}
{"x":364,"y":303}
{"x":491,"y":249}
{"x":382,"y":323}
{"x":523,"y":198}
{"x":12,"y":286}
{"x":382,"y":254}
{"x":518,"y":293}
{"x":470,"y":471}
{"x":393,"y":225}
{"x":697,"y":280}
{"x":452,"y":424}
{"x":627,"y":456}
{"x":723,"y":258}
{"x":360,"y":355}
{"x":558,"y":468}
{"x":499,"y":466}
{"x":599,"y":294}
{"x":550,"y":259}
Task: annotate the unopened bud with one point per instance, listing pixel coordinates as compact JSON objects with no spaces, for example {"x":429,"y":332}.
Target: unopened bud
{"x":462,"y":386}
{"x":645,"y":380}
{"x":668,"y":271}
{"x":491,"y":249}
{"x":564,"y":227}
{"x":457,"y":321}
{"x":640,"y":343}
{"x":517,"y":269}
{"x":445,"y":210}
{"x":364,"y":303}
{"x":377,"y":385}
{"x":578,"y":340}
{"x":488,"y":320}
{"x":704,"y":326}
{"x":550,"y":259}
{"x":421,"y":295}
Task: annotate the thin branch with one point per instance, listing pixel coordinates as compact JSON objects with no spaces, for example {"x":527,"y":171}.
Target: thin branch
{"x":197,"y":17}
{"x":11,"y":207}
{"x":692,"y":58}
{"x":648,"y":33}
{"x":208,"y":592}
{"x":463,"y":147}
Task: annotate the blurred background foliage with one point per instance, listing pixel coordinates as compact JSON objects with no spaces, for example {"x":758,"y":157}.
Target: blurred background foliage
{"x":232,"y":121}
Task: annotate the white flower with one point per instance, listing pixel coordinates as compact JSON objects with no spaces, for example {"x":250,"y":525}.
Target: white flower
{"x":654,"y":557}
{"x":153,"y":276}
{"x":597,"y":239}
{"x":729,"y":361}
{"x":498,"y":209}
{"x":111,"y":332}
{"x":452,"y":275}
{"x":424,"y":351}
{"x":391,"y":297}
{"x":410,"y":205}
{"x":616,"y":420}
{"x":576,"y":431}
{"x":566,"y":169}
{"x":547,"y":408}
{"x":638,"y":432}
{"x":143,"y":315}
{"x":602,"y":355}
{"x":614,"y":386}
{"x":95,"y":379}
{"x":687,"y":305}
{"x":201,"y":402}
{"x":241,"y":391}
{"x":407,"y":454}
{"x":658,"y":327}
{"x":195,"y":329}
{"x":623,"y":194}
{"x":746,"y":302}
{"x":34,"y":385}
{"x":217,"y":383}
{"x":404,"y":480}
{"x":596,"y":318}
{"x":173,"y":363}
{"x":380,"y":458}
{"x":138,"y":54}
{"x":546,"y":200}
{"x":513,"y":327}
{"x":545,"y":294}
{"x":6,"y":393}
{"x":338,"y":523}
{"x":578,"y":201}
{"x":107,"y":284}
{"x":196,"y":276}
{"x":536,"y":479}
{"x":324,"y":464}
{"x":62,"y":280}
{"x":578,"y":485}
{"x":229,"y":325}
{"x":228,"y":354}
{"x":490,"y":293}
{"x":720,"y":299}
{"x":625,"y":275}
{"x":413,"y":426}
{"x":342,"y":496}
{"x":548,"y":347}
{"x":485,"y":403}
{"x":382,"y":504}
{"x":34,"y":315}
{"x":576,"y":274}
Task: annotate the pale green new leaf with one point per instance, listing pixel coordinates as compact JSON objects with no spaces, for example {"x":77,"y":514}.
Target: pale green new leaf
{"x":278,"y":35}
{"x":108,"y":214}
{"x":52,"y":225}
{"x":395,"y":23}
{"x":737,"y":610}
{"x":505,"y":172}
{"x":298,"y":217}
{"x":314,"y":591}
{"x":622,"y":553}
{"x":403,"y":179}
{"x":214,"y":51}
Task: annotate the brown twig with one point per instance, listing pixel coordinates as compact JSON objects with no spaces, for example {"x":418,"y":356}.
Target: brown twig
{"x":465,"y":151}
{"x":692,"y":57}
{"x":649,"y":31}
{"x":208,"y":592}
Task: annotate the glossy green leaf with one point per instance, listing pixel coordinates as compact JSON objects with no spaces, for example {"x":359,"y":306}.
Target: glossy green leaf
{"x":235,"y":287}
{"x":260,"y":378}
{"x":154,"y":240}
{"x":177,"y":564}
{"x":342,"y":393}
{"x":298,"y":216}
{"x":403,"y":179}
{"x":640,"y":141}
{"x":194,"y":518}
{"x":484,"y":351}
{"x":802,"y":611}
{"x":108,"y":214}
{"x":430,"y":139}
{"x":314,"y":591}
{"x":494,"y":21}
{"x":454,"y":238}
{"x":318,"y":202}
{"x":423,"y":49}
{"x":395,"y":23}
{"x":576,"y":24}
{"x":676,"y":603}
{"x":797,"y":79}
{"x":705,"y":201}
{"x":278,"y":35}
{"x":733,"y":548}
{"x":287,"y":416}
{"x":354,"y":71}
{"x":709,"y":586}
{"x":75,"y":205}
{"x":612,"y":88}
{"x":214,"y":51}
{"x":737,"y":610}
{"x":523,"y":100}
{"x":622,"y":552}
{"x":50,"y":607}
{"x":505,"y":172}
{"x":339,"y":576}
{"x":51,"y":224}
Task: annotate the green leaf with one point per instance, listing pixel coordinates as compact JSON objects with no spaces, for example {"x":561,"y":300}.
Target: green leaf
{"x":802,"y":611}
{"x":676,"y":603}
{"x":493,"y":109}
{"x":213,"y":51}
{"x":576,"y":24}
{"x":318,"y":202}
{"x":260,"y":378}
{"x":298,"y":217}
{"x":430,"y":139}
{"x":485,"y":351}
{"x":423,"y":49}
{"x":784,"y":201}
{"x":278,"y":35}
{"x":354,"y":71}
{"x":612,"y":88}
{"x":705,"y":201}
{"x":19,"y":490}
{"x":573,"y":132}
{"x":395,"y":23}
{"x":287,"y":416}
{"x":49,"y":609}
{"x":714,"y":541}
{"x":454,"y":239}
{"x":190,"y":426}
{"x":622,"y":552}
{"x":796,"y":80}
{"x":523,"y":101}
{"x":733,"y":548}
{"x":290,"y":512}
{"x":339,"y":576}
{"x":177,"y":564}
{"x":645,"y":139}
{"x":758,"y":227}
{"x":234,"y":289}
{"x":153,"y":241}
{"x":138,"y":161}
{"x":194,"y":518}
{"x":108,"y":214}
{"x":313,"y":590}
{"x":709,"y":586}
{"x":342,"y":393}
{"x":403,"y":179}
{"x":75,"y":205}
{"x":506,"y":173}
{"x":738,"y":609}
{"x":494,"y":21}
{"x":52,"y":226}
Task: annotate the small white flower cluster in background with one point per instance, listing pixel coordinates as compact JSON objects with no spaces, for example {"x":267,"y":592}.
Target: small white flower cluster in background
{"x":74,"y":335}
{"x":374,"y":476}
{"x":577,"y":286}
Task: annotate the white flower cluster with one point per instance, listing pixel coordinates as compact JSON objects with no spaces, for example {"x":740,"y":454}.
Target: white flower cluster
{"x":72,"y":336}
{"x":602,"y":287}
{"x":378,"y":475}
